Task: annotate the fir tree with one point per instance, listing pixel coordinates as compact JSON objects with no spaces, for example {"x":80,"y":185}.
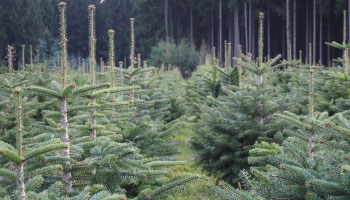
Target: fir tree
{"x":230,"y":126}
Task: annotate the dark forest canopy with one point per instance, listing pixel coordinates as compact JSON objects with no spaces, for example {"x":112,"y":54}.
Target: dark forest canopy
{"x":35,"y":22}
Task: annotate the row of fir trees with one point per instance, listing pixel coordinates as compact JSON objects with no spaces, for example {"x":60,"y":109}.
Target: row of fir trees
{"x":72,"y":134}
{"x":272,"y":128}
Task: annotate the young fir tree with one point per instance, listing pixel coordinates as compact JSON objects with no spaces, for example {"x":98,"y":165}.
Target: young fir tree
{"x":311,"y":163}
{"x":229,"y":127}
{"x":26,"y":162}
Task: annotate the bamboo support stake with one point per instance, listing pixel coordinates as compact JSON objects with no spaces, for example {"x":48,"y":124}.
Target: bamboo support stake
{"x":139,"y":61}
{"x":23,"y":56}
{"x":31,"y":54}
{"x":239,"y":66}
{"x":83,"y":65}
{"x":102,"y":65}
{"x":79,"y":65}
{"x":310,"y":54}
{"x":228,"y":63}
{"x":213,"y":56}
{"x":111,"y":59}
{"x":121,"y":75}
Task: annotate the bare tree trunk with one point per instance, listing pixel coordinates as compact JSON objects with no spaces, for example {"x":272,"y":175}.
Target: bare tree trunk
{"x":178,"y":27}
{"x":314,"y":33}
{"x":349,"y":20}
{"x":171,"y":23}
{"x":288,"y":30}
{"x":246,"y":28}
{"x":321,"y":36}
{"x":268,"y":31}
{"x":250,"y":27}
{"x":236,"y":27}
{"x":23,"y":56}
{"x":166,"y":17}
{"x":328,"y":40}
{"x":253,"y":39}
{"x":307,"y":33}
{"x":212,"y":26}
{"x":191,"y":24}
{"x":294,"y":30}
{"x":230,"y":32}
{"x":284,"y":53}
{"x":220,"y":31}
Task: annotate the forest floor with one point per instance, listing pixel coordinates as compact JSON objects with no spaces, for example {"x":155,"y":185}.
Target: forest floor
{"x":197,"y":190}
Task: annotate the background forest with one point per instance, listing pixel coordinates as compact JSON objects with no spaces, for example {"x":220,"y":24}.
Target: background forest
{"x":202,"y":24}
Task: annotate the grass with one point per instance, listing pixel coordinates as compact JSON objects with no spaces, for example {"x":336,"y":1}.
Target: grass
{"x":197,"y":190}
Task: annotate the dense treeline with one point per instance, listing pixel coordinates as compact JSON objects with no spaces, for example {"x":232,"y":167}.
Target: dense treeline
{"x":203,"y":23}
{"x":198,"y":21}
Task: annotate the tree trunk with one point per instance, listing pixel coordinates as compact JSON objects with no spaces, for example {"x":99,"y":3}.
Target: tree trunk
{"x":20,"y":170}
{"x":307,"y":33}
{"x":220,"y":31}
{"x":92,"y":42}
{"x":268,"y":31}
{"x":288,"y":30}
{"x":236,"y":30}
{"x":212,"y":27}
{"x":284,"y":39}
{"x":191,"y":24}
{"x":230,"y":32}
{"x":349,"y":20}
{"x":246,"y":28}
{"x":294,"y":30}
{"x":253,"y":39}
{"x":250,"y":27}
{"x":166,"y":12}
{"x":314,"y":34}
{"x":132,"y":56}
{"x":328,"y":40}
{"x":67,"y":175}
{"x":171,"y":24}
{"x":321,"y":36}
{"x":178,"y":27}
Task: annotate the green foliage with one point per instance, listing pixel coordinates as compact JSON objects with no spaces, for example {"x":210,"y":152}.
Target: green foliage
{"x":176,"y":55}
{"x":231,"y":124}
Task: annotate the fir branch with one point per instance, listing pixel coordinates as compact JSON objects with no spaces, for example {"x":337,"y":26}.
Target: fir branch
{"x":42,"y":91}
{"x":42,"y":150}
{"x":10,"y":155}
{"x":86,"y":89}
{"x":170,"y":186}
{"x":8,"y":174}
{"x":44,"y":170}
